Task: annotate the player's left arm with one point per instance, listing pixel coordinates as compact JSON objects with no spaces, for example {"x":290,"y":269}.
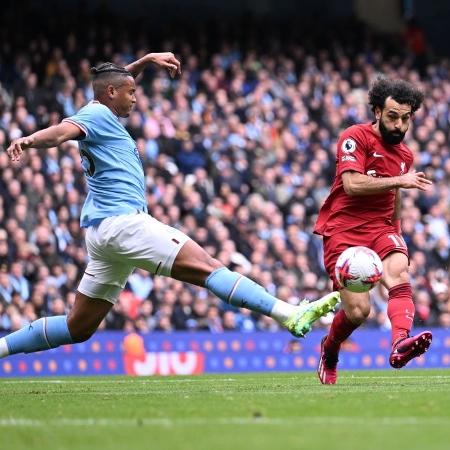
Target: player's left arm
{"x":396,"y":216}
{"x":165,"y":60}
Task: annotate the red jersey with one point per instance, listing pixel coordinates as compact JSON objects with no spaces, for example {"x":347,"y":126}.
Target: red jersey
{"x":361,"y":150}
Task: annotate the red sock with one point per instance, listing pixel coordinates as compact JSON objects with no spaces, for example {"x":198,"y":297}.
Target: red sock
{"x":340,"y":330}
{"x":400,"y":311}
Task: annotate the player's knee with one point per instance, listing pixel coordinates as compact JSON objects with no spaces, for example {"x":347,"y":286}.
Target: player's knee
{"x":358,"y":316}
{"x":81,"y":336}
{"x":206,"y":266}
{"x":364,"y":312}
{"x":358,"y":313}
{"x":214,"y":264}
{"x":78,"y":332}
{"x":394,"y":279}
{"x":195,"y":269}
{"x":209,"y":265}
{"x":403,"y":277}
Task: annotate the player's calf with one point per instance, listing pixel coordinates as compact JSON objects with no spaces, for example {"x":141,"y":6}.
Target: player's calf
{"x":42,"y":334}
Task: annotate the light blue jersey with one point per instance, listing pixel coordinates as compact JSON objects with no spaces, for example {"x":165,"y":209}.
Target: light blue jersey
{"x":111,"y":164}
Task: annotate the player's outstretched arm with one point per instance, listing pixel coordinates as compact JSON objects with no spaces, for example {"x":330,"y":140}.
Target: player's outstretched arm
{"x":48,"y":137}
{"x":356,"y":183}
{"x":165,"y":60}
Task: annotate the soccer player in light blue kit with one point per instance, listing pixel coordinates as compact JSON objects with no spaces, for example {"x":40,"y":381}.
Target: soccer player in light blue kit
{"x":121,"y":235}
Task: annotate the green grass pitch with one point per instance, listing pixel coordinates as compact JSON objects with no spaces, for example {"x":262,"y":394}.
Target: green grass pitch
{"x":380,"y":410}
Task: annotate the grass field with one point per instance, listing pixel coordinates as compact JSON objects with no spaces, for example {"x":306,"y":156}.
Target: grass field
{"x":380,"y":410}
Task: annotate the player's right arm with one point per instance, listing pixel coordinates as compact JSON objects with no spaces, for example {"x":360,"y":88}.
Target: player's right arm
{"x":351,"y":162}
{"x":359,"y":184}
{"x":48,"y":137}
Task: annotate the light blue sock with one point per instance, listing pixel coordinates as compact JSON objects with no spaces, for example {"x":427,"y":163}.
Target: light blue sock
{"x":240,"y":291}
{"x":42,"y":334}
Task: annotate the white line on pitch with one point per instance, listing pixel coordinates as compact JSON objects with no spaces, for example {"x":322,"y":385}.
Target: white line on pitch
{"x":276,"y":421}
{"x":201,"y":379}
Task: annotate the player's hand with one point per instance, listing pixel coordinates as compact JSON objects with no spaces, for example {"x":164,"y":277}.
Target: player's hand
{"x":17,"y":146}
{"x":415,"y":180}
{"x":167,"y":61}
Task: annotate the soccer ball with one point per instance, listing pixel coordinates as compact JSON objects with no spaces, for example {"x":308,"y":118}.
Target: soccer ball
{"x":358,"y":269}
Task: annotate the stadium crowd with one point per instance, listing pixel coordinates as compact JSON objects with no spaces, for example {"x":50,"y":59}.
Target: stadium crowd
{"x":238,"y":153}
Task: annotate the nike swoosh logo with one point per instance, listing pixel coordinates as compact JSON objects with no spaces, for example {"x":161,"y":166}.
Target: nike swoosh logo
{"x":377,"y":155}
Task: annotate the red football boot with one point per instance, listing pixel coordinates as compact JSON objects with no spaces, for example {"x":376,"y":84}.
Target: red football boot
{"x":408,"y":348}
{"x":327,"y":365}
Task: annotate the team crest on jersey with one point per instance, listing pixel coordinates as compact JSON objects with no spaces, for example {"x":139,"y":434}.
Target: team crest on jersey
{"x":348,"y":146}
{"x":402,"y":167}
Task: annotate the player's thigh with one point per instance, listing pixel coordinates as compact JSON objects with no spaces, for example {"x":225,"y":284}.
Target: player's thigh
{"x":193,"y":264}
{"x":395,"y":269}
{"x":393,"y":251}
{"x":334,"y":245}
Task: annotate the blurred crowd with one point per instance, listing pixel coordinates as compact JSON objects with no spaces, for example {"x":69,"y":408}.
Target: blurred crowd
{"x":239,"y":153}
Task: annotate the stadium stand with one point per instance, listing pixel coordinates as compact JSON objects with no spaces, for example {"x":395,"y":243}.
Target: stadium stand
{"x":238,"y":153}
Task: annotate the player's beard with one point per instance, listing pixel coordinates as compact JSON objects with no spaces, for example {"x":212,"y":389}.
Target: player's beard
{"x":390,"y":137}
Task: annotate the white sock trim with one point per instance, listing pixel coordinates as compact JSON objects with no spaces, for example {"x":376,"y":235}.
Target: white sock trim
{"x":233,"y":290}
{"x":282,"y":311}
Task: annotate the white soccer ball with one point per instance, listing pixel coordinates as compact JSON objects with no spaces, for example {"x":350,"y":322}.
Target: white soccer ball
{"x":358,"y":269}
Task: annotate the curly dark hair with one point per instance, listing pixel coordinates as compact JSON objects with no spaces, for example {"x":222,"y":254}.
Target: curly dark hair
{"x":401,"y":91}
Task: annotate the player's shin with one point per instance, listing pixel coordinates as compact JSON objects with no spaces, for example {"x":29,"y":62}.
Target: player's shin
{"x":401,"y":311}
{"x":341,"y":329}
{"x":42,"y":334}
{"x":240,"y":291}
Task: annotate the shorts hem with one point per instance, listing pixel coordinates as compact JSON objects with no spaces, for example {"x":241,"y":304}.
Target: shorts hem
{"x":166,"y":270}
{"x":394,"y":250}
{"x":94,"y":296}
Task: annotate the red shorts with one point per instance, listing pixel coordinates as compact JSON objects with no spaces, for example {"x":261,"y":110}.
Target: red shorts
{"x":381,"y":239}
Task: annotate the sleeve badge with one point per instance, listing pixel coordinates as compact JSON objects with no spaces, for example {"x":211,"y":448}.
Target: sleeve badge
{"x":348,"y":146}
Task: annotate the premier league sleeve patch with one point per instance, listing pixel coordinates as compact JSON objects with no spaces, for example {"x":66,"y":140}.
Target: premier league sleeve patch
{"x":351,"y":154}
{"x":348,"y":146}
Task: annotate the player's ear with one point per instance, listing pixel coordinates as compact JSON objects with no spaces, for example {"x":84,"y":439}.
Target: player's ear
{"x":111,"y":91}
{"x":377,"y":112}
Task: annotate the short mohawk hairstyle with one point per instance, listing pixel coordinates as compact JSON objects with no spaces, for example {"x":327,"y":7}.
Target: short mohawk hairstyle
{"x":401,"y":91}
{"x":108,"y":67}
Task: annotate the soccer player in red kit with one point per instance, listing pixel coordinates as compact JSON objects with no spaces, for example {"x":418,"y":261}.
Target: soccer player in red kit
{"x":363,"y":208}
